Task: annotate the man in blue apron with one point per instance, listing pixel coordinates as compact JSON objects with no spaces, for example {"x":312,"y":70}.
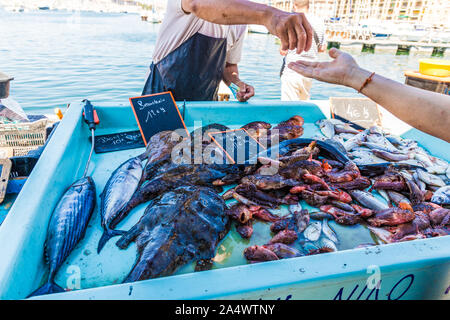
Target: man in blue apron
{"x":200,"y":43}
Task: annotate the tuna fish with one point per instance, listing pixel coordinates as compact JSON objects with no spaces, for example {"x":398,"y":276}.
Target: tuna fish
{"x":66,"y":228}
{"x":117,"y":193}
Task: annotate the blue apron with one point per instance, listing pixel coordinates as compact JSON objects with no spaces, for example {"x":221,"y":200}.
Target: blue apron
{"x":191,"y":72}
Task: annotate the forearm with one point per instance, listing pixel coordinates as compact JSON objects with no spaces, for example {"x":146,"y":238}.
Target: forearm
{"x":231,"y":74}
{"x":229,"y":11}
{"x":425,"y":110}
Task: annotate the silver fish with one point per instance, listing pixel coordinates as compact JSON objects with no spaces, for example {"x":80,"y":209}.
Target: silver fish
{"x":356,"y":140}
{"x":397,"y":198}
{"x":328,"y":232}
{"x":381,"y":140}
{"x":395,"y":140}
{"x":368,"y":200}
{"x":424,"y":158}
{"x":447,"y":173}
{"x":430,"y":179}
{"x":117,"y":192}
{"x":384,"y":194}
{"x":312,"y":232}
{"x":389,"y":155}
{"x":320,"y":215}
{"x":346,"y":136}
{"x":326,"y":127}
{"x":441,"y":196}
{"x":437,"y":169}
{"x":422,"y":185}
{"x":327,"y":243}
{"x":378,"y":146}
{"x":345,"y":128}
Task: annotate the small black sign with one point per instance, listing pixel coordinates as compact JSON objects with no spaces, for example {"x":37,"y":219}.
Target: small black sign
{"x":118,"y":141}
{"x":238,"y":145}
{"x":362,"y":113}
{"x":155,"y":113}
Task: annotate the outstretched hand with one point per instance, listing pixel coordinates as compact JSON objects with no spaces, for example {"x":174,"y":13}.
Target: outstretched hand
{"x":338,"y":71}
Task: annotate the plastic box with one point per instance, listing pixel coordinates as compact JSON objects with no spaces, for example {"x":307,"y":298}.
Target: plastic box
{"x":417,"y":269}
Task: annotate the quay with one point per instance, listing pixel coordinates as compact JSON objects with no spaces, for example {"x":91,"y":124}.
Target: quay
{"x":391,"y":46}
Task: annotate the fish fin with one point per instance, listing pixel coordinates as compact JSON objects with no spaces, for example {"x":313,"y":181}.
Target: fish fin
{"x":108,"y":234}
{"x":48,"y":288}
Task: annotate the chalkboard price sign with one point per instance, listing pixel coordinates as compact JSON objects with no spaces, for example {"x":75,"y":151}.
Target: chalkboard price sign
{"x":155,"y":113}
{"x":118,"y":141}
{"x":238,"y":145}
{"x":361,"y":113}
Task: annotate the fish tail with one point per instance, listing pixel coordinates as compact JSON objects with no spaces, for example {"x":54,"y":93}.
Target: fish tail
{"x":108,"y":234}
{"x":48,"y":288}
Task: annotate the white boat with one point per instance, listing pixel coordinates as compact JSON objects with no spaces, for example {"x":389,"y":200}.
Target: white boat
{"x":410,"y":33}
{"x":256,"y":28}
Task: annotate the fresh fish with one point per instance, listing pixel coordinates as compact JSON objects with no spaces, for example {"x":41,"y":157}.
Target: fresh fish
{"x":356,"y":140}
{"x":377,"y":146}
{"x":345,"y":128}
{"x":395,"y":140}
{"x":389,"y":155}
{"x":342,"y":205}
{"x":442,"y":196}
{"x":422,"y":185}
{"x":368,"y":200}
{"x":447,"y":173}
{"x":66,"y":228}
{"x":397,"y":198}
{"x":430,"y":179}
{"x":326,"y":127}
{"x":328,"y":232}
{"x":283,"y":251}
{"x":437,"y":169}
{"x":346,"y":136}
{"x":381,"y":234}
{"x":384,"y":194}
{"x":327,"y":243}
{"x":118,"y":191}
{"x":312,"y":232}
{"x":424,"y":158}
{"x":381,"y":140}
{"x":320,"y":215}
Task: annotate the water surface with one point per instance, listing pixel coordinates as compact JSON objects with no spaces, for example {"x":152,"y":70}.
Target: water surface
{"x":59,"y":57}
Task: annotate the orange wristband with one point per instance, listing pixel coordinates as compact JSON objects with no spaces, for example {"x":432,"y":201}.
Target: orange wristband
{"x":366,"y":82}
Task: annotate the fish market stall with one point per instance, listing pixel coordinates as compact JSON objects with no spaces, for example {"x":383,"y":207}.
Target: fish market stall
{"x":359,"y":266}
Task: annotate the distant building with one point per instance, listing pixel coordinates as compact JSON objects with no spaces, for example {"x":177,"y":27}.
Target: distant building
{"x":433,"y":12}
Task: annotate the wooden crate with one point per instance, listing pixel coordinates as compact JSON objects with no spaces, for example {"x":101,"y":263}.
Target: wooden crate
{"x":430,"y":83}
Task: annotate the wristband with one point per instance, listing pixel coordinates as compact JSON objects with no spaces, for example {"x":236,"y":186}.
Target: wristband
{"x":366,"y":82}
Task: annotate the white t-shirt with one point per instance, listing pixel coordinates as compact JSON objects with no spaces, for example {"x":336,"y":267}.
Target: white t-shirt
{"x":313,"y":54}
{"x":178,"y":26}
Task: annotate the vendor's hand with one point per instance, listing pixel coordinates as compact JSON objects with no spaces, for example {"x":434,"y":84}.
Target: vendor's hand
{"x":245,"y":92}
{"x":293,"y":29}
{"x":341,"y":70}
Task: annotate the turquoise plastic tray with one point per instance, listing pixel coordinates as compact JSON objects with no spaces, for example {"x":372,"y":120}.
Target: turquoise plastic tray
{"x":410,"y":270}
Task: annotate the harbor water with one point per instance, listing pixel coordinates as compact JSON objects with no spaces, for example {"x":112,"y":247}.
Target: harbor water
{"x":59,"y":57}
